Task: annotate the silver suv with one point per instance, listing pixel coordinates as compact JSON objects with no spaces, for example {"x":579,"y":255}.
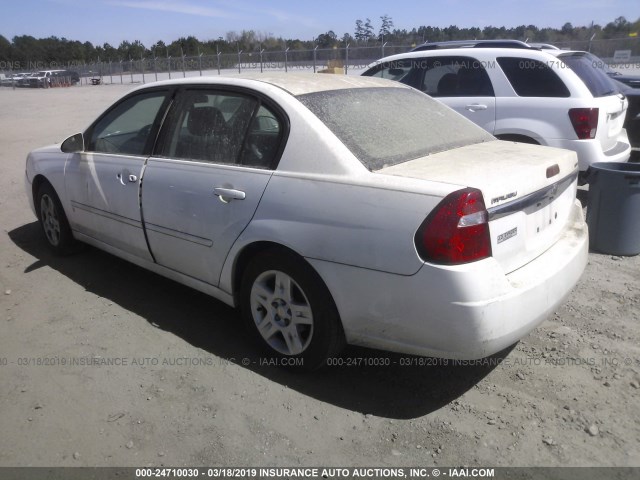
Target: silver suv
{"x":520,"y":93}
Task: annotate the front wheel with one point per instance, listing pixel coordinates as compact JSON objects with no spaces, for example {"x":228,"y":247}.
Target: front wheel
{"x":53,"y":221}
{"x":287,"y":306}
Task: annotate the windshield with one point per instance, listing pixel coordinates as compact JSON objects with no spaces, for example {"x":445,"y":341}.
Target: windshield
{"x":387,"y":126}
{"x":591,"y":71}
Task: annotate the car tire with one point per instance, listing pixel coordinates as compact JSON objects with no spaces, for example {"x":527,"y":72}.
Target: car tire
{"x":290,"y":312}
{"x":53,"y":221}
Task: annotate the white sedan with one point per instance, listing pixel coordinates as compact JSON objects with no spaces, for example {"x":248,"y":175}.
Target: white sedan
{"x":329,"y":209}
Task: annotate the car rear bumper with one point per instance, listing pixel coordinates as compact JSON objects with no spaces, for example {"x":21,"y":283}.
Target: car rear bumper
{"x":590,"y":151}
{"x":463,"y":312}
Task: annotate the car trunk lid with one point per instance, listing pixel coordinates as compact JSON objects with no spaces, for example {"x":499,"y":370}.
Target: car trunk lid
{"x":529,"y":192}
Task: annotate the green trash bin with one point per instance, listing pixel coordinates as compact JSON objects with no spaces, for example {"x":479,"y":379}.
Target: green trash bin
{"x":613,"y":208}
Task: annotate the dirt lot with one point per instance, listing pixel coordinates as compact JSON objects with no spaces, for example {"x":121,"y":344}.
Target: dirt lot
{"x":184,"y":387}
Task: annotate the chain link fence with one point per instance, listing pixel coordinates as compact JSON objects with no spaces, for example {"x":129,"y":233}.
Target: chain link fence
{"x":605,"y":49}
{"x":348,"y":59}
{"x":345,"y":60}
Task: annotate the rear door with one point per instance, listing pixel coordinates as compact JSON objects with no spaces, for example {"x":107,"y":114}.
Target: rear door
{"x":204,"y":184}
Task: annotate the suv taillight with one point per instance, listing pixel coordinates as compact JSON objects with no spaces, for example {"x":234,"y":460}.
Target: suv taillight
{"x":456,"y":231}
{"x":585,"y":122}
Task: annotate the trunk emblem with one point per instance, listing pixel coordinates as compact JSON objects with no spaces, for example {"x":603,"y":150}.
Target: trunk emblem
{"x":507,"y":235}
{"x":503,"y":197}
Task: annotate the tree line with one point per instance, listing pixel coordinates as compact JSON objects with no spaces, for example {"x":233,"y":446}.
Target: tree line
{"x":23,"y":49}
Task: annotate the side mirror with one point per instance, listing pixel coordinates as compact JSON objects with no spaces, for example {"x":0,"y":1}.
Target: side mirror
{"x":73,"y":144}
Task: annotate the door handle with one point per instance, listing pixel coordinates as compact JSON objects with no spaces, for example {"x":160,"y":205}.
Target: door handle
{"x":129,"y":177}
{"x":475,"y":107}
{"x":228,"y":194}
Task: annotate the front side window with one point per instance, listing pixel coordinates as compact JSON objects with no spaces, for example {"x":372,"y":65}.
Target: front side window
{"x":532,"y":78}
{"x":126,"y":129}
{"x":438,"y":76}
{"x":222,"y":127}
{"x":402,"y":70}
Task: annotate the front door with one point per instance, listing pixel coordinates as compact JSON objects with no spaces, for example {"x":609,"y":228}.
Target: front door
{"x":461,"y":83}
{"x":103,"y":182}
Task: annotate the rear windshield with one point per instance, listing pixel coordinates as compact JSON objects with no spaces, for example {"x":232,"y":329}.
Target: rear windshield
{"x":598,"y":83}
{"x":387,"y":126}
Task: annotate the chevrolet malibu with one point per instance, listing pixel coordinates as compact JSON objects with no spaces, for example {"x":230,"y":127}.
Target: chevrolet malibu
{"x":328,"y":209}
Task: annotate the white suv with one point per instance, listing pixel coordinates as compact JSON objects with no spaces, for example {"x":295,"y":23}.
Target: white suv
{"x":520,"y":93}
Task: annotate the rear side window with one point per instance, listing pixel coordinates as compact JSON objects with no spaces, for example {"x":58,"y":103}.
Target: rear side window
{"x":388,"y":126}
{"x":532,"y":78}
{"x":263,"y":139}
{"x":455,"y":77}
{"x":208,"y":126}
{"x":222,"y":127}
{"x":598,"y":83}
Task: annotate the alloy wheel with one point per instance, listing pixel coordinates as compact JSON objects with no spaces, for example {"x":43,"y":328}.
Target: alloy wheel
{"x":281,"y":312}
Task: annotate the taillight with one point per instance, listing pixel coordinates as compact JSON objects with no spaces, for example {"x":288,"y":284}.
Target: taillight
{"x":585,"y":122}
{"x":456,"y":231}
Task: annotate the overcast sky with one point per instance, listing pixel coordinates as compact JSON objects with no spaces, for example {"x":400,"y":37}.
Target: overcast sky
{"x":113,"y":21}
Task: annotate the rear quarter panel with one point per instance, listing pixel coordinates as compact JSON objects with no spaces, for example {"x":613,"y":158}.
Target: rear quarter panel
{"x":541,"y":118}
{"x":369,"y":226}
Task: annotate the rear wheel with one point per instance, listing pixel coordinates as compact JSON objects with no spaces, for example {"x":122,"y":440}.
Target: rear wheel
{"x":290,"y":311}
{"x":53,"y":221}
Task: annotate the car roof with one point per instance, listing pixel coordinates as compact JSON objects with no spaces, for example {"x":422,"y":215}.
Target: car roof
{"x":499,"y":43}
{"x":468,"y":50}
{"x":293,"y":83}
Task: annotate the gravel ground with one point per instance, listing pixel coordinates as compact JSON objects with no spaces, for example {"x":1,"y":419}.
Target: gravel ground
{"x":105,"y":364}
